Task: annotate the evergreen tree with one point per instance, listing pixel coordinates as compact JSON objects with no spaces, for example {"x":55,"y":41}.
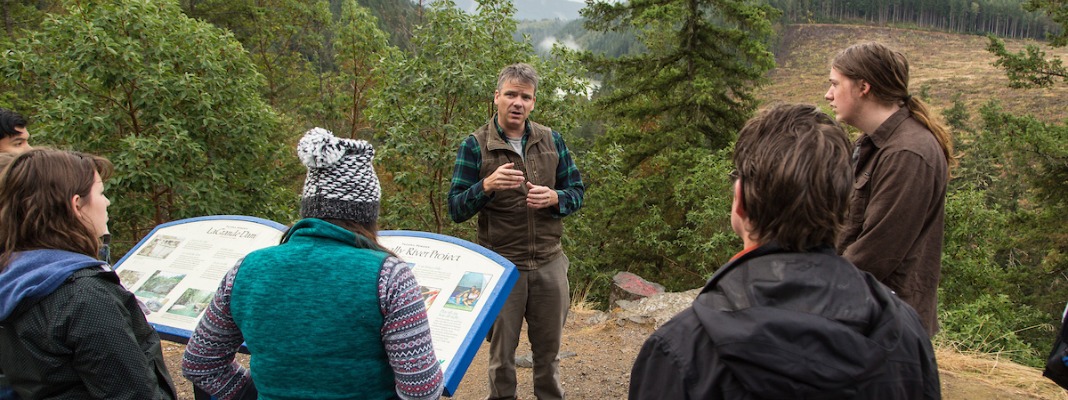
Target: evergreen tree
{"x":1034,"y":156}
{"x":1057,"y":11}
{"x":1028,"y":68}
{"x":1042,"y":146}
{"x":673,"y":112}
{"x":693,"y":87}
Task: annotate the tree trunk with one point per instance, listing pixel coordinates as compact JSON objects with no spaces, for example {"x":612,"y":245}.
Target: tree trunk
{"x":9,"y":25}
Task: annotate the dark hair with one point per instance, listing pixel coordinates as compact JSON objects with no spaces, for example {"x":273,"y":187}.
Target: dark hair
{"x":793,"y":163}
{"x":519,"y":72}
{"x":35,"y":202}
{"x":9,"y":120}
{"x":887,"y":71}
{"x":367,"y":230}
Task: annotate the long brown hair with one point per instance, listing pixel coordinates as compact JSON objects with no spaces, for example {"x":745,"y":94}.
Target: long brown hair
{"x":887,"y":71}
{"x":35,"y":202}
{"x":793,"y":163}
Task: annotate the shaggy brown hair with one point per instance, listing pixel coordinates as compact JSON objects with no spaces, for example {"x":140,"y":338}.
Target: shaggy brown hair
{"x":793,"y":163}
{"x":35,"y":202}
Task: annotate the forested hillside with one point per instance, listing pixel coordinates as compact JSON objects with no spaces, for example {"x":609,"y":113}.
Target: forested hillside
{"x":536,"y":10}
{"x":199,"y":103}
{"x":1003,"y":18}
{"x":1010,"y":19}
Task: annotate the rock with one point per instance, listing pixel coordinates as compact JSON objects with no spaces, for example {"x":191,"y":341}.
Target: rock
{"x":597,"y":318}
{"x":628,"y":286}
{"x":657,"y":309}
{"x":640,"y":319}
{"x":527,"y":360}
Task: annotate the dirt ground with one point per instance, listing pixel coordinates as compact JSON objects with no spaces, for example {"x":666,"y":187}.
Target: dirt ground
{"x":604,"y":349}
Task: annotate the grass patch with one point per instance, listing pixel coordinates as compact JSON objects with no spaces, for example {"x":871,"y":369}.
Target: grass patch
{"x":945,"y":64}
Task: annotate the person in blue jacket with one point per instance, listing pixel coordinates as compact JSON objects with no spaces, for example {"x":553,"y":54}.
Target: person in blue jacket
{"x":68,"y":328}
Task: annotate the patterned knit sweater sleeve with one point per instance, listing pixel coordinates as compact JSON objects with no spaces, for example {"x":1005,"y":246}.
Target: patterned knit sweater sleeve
{"x":406,"y":333}
{"x":209,"y":356}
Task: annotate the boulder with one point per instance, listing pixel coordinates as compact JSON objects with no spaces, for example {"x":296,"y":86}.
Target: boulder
{"x":630,"y":287}
{"x":655,"y":310}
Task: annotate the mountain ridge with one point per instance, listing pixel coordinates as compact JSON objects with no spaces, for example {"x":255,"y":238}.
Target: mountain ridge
{"x":535,"y":10}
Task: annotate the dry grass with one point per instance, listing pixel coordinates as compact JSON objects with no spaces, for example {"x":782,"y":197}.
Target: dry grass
{"x":941,"y":64}
{"x":994,"y":371}
{"x":580,"y":299}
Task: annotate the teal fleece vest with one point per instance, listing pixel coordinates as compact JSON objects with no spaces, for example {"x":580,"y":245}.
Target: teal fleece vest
{"x":309,"y":312}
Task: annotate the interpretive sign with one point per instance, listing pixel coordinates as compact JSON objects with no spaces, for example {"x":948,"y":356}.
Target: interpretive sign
{"x":464,"y":286}
{"x":176,"y":269}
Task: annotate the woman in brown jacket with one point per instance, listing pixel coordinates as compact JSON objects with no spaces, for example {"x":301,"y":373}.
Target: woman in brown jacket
{"x":901,"y":166}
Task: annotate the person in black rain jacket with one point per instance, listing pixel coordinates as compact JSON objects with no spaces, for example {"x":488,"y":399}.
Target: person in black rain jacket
{"x":787,"y":318}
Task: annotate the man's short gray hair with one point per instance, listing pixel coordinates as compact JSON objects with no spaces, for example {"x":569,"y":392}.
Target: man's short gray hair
{"x":518,"y":72}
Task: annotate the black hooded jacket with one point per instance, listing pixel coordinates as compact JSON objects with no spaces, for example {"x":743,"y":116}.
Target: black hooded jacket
{"x":69,"y":330}
{"x":778,"y":325}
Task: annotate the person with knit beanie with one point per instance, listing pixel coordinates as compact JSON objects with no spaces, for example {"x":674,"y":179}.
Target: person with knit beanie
{"x":327,"y":314}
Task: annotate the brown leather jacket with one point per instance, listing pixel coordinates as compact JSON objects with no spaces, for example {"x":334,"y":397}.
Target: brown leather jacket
{"x":897,"y":212}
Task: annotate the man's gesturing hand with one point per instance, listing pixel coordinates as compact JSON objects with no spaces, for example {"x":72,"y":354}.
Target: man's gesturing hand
{"x":504,"y":177}
{"x":541,"y":196}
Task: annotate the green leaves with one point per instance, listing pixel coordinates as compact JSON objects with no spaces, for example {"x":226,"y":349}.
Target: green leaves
{"x":288,"y":41}
{"x":673,"y":112}
{"x":1005,"y":217}
{"x":1028,"y":68}
{"x":172,"y":101}
{"x":986,"y":325}
{"x":361,"y":50}
{"x":1004,"y":214}
{"x":1057,"y":11}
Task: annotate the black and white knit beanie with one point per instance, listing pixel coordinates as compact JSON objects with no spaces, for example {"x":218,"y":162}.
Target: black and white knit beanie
{"x":341,"y":182}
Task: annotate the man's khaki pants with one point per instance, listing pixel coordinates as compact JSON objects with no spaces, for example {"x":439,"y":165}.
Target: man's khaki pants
{"x":543,"y":297}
